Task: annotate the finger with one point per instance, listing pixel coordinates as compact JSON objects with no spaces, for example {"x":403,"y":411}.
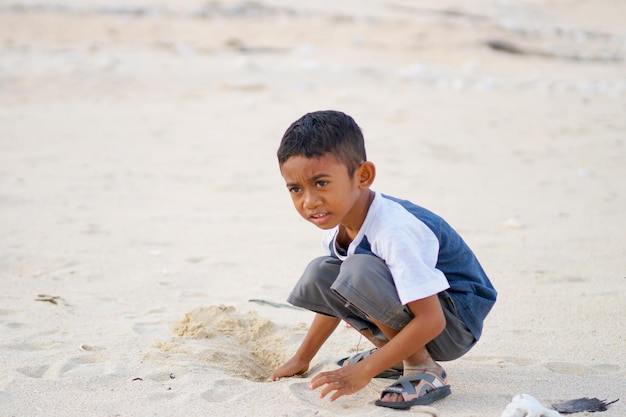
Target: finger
{"x":325,"y":384}
{"x":315,"y":383}
{"x":315,"y":379}
{"x":321,"y":379}
{"x":337,"y":394}
{"x":328,"y":388}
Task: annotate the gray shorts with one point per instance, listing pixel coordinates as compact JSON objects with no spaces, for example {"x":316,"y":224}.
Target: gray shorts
{"x":362,"y":287}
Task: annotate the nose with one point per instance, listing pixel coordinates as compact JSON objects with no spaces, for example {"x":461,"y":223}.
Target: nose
{"x":311,"y":200}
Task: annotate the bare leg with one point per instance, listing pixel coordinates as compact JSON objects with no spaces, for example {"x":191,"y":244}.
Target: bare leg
{"x":417,"y":363}
{"x":379,"y":343}
{"x":373,"y":340}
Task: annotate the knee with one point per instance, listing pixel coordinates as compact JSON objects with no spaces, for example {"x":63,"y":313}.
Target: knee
{"x":362,"y":264}
{"x":320,"y":271}
{"x":360,"y":260}
{"x":359,"y":268}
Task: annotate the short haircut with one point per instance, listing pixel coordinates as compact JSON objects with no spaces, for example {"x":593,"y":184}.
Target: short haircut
{"x":324,"y":132}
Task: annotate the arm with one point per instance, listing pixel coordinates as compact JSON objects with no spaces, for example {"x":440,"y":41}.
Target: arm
{"x":321,"y":328}
{"x":428,"y":322}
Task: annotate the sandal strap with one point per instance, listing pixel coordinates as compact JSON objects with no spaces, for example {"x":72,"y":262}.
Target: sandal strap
{"x":406,"y":387}
{"x":358,"y":357}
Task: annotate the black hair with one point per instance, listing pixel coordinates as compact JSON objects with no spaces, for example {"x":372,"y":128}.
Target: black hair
{"x":318,"y":133}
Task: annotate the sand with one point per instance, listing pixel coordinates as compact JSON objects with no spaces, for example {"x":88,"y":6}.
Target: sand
{"x":141,"y":207}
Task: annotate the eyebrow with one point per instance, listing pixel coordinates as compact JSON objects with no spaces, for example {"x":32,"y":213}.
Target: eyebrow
{"x":312,"y":179}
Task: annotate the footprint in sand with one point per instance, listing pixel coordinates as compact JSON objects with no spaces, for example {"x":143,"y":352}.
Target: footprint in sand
{"x":87,"y":365}
{"x":150,"y":329}
{"x":568,"y":368}
{"x":521,"y":361}
{"x":34,"y":371}
{"x":223,"y":389}
{"x":361,"y":400}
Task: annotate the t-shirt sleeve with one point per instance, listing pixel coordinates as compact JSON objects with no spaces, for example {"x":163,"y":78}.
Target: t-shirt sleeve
{"x":411,"y":252}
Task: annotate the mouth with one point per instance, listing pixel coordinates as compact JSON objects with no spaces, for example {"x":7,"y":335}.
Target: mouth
{"x":319,"y":217}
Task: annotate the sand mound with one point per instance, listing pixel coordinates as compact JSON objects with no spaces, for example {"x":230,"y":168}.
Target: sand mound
{"x":239,"y":344}
{"x":215,"y":321}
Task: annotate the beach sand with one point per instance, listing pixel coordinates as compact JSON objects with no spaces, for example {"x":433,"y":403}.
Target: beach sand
{"x":141,"y":206}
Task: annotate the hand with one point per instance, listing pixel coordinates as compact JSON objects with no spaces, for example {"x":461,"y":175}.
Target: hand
{"x":344,"y":381}
{"x":293,"y":366}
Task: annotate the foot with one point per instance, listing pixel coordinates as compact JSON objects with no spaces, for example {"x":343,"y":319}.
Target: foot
{"x":410,"y":370}
{"x":421,"y":389}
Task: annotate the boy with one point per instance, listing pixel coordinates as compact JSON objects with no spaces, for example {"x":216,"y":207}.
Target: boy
{"x":394,"y":271}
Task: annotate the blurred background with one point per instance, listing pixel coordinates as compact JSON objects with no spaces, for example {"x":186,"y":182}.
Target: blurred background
{"x":144,"y":132}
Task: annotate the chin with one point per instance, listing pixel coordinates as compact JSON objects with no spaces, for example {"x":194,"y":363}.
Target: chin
{"x":324,"y":226}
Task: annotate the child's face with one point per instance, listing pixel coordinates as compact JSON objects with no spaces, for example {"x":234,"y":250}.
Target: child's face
{"x":323,"y":192}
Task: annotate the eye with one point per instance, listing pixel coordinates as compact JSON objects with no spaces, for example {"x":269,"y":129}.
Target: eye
{"x":294,"y":190}
{"x":321,"y":183}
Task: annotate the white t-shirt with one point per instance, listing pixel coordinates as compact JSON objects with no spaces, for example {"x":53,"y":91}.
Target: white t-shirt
{"x":407,"y":245}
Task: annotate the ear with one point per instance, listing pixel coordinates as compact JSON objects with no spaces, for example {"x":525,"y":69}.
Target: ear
{"x":366,"y":174}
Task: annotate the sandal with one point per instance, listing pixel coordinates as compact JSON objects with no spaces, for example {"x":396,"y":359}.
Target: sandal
{"x":421,"y":389}
{"x":390,"y":373}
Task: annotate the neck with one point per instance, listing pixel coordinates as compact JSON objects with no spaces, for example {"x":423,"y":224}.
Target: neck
{"x":347,"y":232}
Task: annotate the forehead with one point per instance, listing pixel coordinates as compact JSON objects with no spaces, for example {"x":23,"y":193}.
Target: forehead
{"x":303,"y":168}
